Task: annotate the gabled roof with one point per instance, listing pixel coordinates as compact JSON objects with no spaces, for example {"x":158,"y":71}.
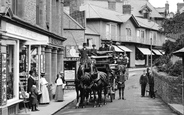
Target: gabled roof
{"x":96,"y":12}
{"x":137,"y":5}
{"x":91,"y":32}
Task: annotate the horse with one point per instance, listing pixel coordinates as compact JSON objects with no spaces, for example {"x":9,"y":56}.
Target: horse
{"x":82,"y":82}
{"x":99,"y":83}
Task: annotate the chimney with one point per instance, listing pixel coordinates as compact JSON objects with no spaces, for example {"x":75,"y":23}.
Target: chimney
{"x":179,"y":6}
{"x":126,"y":7}
{"x":112,"y":4}
{"x":167,"y":7}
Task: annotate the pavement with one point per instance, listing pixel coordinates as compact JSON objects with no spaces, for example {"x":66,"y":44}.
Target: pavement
{"x":70,"y":96}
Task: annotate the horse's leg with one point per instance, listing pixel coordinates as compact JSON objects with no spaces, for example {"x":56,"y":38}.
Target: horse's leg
{"x":77,"y":92}
{"x":99,"y":96}
{"x":105,"y":93}
{"x":94,"y":95}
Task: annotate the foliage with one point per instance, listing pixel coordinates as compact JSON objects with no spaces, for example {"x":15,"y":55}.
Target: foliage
{"x":174,"y":25}
{"x":176,"y":69}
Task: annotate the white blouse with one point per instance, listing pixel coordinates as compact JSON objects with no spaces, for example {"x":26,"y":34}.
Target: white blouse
{"x":59,"y":81}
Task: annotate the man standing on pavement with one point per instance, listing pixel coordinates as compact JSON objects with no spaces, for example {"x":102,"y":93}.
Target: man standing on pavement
{"x":151,"y":83}
{"x":143,"y":81}
{"x":121,"y":83}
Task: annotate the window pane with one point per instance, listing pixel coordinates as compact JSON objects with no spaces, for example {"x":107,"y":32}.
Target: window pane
{"x":108,"y":31}
{"x":113,"y":31}
{"x":10,"y":68}
{"x":138,"y":33}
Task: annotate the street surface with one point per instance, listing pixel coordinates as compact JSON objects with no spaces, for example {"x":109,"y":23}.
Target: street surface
{"x":133,"y":105}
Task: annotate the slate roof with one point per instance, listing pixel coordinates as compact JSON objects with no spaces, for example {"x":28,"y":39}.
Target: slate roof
{"x":147,"y":24}
{"x":160,"y":9}
{"x":137,"y":6}
{"x":96,"y":12}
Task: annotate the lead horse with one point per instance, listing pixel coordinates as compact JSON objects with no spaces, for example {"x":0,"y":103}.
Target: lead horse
{"x":82,"y":83}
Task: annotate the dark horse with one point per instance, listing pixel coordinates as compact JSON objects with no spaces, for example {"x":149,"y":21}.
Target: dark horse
{"x":99,"y":84}
{"x":82,"y":83}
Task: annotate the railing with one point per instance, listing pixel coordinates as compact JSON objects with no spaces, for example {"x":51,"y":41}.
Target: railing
{"x":133,"y":39}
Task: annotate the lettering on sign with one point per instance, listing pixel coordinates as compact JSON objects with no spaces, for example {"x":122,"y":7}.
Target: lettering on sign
{"x":55,"y":42}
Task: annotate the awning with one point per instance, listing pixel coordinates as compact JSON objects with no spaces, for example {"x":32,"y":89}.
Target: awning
{"x":117,"y":49}
{"x":145,"y":51}
{"x":162,"y":51}
{"x":156,"y":52}
{"x":125,"y":49}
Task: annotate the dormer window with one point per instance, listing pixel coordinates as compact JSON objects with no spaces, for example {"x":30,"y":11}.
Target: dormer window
{"x":145,"y":11}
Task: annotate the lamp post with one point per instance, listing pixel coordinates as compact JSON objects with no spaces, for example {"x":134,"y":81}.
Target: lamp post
{"x":151,"y":54}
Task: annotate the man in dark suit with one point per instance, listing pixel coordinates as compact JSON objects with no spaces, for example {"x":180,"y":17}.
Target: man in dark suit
{"x":84,"y":53}
{"x":111,"y":47}
{"x":31,"y":82}
{"x":93,"y":50}
{"x":103,"y":48}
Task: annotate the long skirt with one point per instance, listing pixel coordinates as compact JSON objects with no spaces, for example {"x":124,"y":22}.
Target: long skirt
{"x":45,"y":95}
{"x":59,"y":93}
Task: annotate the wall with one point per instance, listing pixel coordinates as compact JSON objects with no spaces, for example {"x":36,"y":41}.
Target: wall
{"x":168,"y":87}
{"x":78,"y":35}
{"x":29,"y":11}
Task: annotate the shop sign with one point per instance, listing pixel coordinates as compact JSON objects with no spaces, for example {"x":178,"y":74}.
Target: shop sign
{"x":56,"y":42}
{"x":71,"y":51}
{"x":24,"y":33}
{"x":69,"y":75}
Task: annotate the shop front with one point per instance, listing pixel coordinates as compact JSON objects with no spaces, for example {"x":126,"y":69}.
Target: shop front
{"x":21,"y":50}
{"x":71,"y":62}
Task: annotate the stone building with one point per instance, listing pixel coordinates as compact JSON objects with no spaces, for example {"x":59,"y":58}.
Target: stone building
{"x":31,"y":34}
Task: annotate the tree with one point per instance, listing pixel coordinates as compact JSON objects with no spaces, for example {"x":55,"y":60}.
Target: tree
{"x":171,"y":27}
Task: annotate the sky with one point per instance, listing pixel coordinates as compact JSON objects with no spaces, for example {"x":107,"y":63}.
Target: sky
{"x":161,"y":3}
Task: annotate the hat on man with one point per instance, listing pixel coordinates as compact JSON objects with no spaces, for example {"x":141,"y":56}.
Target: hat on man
{"x":84,"y":44}
{"x":94,"y":45}
{"x":42,"y":74}
{"x":120,"y":54}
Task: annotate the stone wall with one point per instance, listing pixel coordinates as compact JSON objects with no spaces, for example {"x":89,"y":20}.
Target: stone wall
{"x":169,"y":88}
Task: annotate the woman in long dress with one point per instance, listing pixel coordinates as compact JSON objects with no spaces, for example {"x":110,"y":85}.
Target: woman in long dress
{"x":45,"y":94}
{"x":59,"y":87}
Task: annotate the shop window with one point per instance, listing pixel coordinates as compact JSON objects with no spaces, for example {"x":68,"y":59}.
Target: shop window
{"x":23,"y":67}
{"x":34,"y":60}
{"x":8,"y":59}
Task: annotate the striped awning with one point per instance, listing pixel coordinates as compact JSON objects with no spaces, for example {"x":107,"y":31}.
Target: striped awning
{"x":145,"y":51}
{"x":124,"y":48}
{"x":156,"y":52}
